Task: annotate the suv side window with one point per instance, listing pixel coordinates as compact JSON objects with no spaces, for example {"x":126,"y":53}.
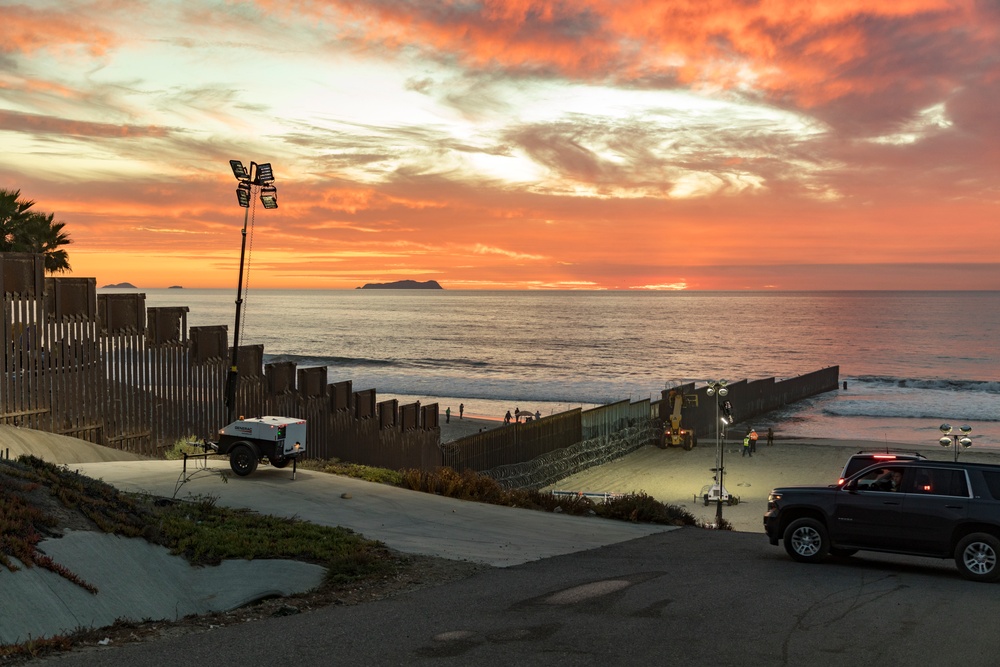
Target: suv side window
{"x":992,"y":483}
{"x":882,"y":479}
{"x":941,"y":482}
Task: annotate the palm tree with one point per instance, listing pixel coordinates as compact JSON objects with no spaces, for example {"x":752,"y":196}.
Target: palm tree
{"x":22,"y":230}
{"x":13,"y":212}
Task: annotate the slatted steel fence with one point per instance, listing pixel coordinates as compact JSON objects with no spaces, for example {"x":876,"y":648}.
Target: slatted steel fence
{"x":106,"y":369}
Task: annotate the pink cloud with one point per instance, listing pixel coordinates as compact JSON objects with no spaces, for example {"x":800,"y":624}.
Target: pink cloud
{"x":27,"y":30}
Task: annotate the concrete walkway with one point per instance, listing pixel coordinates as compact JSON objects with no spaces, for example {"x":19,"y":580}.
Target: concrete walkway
{"x":137,"y":580}
{"x":409,"y":521}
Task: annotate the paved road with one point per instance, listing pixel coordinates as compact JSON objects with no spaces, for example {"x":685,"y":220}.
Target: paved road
{"x":686,"y":597}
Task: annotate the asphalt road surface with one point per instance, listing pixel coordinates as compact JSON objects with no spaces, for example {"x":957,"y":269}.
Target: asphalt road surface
{"x":689,"y":597}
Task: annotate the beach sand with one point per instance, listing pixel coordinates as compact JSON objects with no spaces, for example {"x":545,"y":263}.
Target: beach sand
{"x":459,"y":428}
{"x":675,"y":476}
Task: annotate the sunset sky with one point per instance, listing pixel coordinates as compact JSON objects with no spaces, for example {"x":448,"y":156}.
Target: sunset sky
{"x":514,"y":144}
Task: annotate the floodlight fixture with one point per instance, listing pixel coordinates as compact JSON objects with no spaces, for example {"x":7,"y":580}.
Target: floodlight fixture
{"x":243,"y":194}
{"x":717,"y":388}
{"x":954,"y":439}
{"x":239,"y":171}
{"x":269,"y":196}
{"x":264,"y":174}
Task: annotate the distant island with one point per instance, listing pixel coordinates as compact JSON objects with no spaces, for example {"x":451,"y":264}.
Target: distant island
{"x":120,"y":286}
{"x":175,"y":287}
{"x":403,"y":284}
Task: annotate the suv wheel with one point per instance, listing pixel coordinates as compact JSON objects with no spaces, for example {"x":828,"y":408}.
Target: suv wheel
{"x":977,"y":557}
{"x":806,"y":540}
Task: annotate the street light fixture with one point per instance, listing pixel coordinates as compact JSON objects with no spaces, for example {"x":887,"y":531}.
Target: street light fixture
{"x":718,"y":388}
{"x":950,"y":439}
{"x":260,"y":177}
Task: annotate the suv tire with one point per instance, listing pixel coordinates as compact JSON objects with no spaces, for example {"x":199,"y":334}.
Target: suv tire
{"x":806,"y":540}
{"x":978,"y":557}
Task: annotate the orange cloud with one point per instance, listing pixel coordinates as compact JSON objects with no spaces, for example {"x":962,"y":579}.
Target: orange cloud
{"x":812,"y":52}
{"x":27,"y":30}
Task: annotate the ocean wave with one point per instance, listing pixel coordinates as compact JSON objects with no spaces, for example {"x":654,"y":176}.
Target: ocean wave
{"x":986,"y":386}
{"x":416,"y":365}
{"x":308,"y":361}
{"x":954,"y":412}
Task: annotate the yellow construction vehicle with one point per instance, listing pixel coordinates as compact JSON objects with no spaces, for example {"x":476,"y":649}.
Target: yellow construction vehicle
{"x":674,"y":435}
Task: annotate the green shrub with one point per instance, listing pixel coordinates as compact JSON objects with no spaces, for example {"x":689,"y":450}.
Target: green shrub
{"x":643,"y":508}
{"x":188,"y":445}
{"x":355,"y":470}
{"x":470,"y":485}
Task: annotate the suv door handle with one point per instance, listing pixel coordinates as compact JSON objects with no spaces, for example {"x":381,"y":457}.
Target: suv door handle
{"x":890,"y":502}
{"x":955,"y":507}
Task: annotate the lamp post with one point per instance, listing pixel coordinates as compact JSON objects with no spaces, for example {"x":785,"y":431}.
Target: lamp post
{"x":718,"y":388}
{"x":259,"y":178}
{"x":949,"y":439}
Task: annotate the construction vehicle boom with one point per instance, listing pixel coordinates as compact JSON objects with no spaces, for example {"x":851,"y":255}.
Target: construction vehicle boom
{"x":675,"y":435}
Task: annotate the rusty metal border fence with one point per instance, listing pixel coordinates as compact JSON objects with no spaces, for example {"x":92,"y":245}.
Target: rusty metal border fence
{"x":750,"y":399}
{"x":108,"y":370}
{"x":510,"y":452}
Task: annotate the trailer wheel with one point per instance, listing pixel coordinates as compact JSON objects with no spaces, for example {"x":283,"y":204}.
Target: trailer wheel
{"x":279,"y":463}
{"x":243,"y":459}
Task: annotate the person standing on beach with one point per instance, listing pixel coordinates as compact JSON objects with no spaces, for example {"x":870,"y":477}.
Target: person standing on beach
{"x":506,"y":418}
{"x":770,"y":436}
{"x":461,"y":410}
{"x":746,"y":446}
{"x":753,"y":442}
{"x":538,"y":415}
{"x":517,"y":415}
{"x":447,"y":415}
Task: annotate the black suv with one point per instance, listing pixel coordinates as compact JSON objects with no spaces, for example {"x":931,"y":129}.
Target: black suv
{"x":924,"y":508}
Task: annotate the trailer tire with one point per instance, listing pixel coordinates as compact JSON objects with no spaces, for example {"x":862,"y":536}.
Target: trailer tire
{"x":243,"y":459}
{"x":279,"y":463}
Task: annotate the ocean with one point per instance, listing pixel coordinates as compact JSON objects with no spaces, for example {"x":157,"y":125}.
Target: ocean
{"x":911,"y":360}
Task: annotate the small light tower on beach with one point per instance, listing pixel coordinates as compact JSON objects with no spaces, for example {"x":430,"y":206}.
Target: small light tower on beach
{"x":260,"y":178}
{"x":716,"y":389}
{"x":955,"y":439}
